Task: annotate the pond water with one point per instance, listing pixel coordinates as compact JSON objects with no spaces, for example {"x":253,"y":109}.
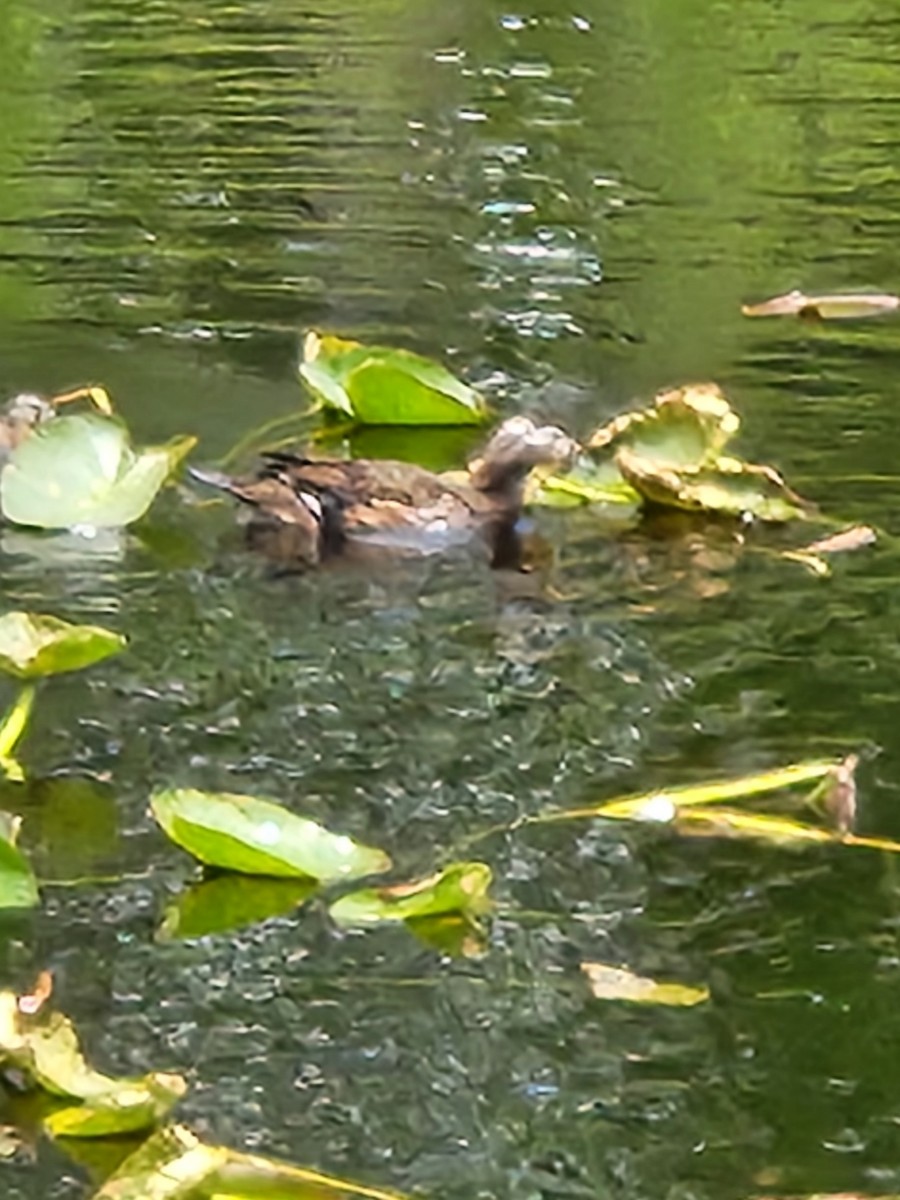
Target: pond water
{"x":568,"y":203}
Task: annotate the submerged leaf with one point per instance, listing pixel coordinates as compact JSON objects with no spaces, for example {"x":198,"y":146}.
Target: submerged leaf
{"x":838,"y":307}
{"x":730,"y":487}
{"x":82,"y":470}
{"x":230,"y":902}
{"x":686,"y":427}
{"x":376,"y":385}
{"x":33,"y":645}
{"x":459,"y":888}
{"x":614,"y":983}
{"x":259,"y":837}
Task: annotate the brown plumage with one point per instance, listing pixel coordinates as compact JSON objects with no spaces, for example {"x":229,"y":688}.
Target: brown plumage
{"x":309,"y":508}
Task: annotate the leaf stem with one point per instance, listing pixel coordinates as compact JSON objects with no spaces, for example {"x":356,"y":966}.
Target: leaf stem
{"x":14,"y":725}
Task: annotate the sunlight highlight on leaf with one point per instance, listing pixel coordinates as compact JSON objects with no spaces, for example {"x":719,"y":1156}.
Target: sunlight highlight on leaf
{"x":615,"y":983}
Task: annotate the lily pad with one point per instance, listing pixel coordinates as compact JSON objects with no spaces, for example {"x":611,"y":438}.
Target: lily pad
{"x":687,"y":427}
{"x":230,"y":902}
{"x":376,"y":385}
{"x":614,"y":983}
{"x":460,"y":888}
{"x":588,"y":482}
{"x":729,"y":486}
{"x":47,"y":1051}
{"x":33,"y":645}
{"x":81,"y":470}
{"x":260,"y":837}
{"x":838,"y":307}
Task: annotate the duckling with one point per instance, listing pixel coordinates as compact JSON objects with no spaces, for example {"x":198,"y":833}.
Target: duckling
{"x":21,"y":416}
{"x":313,"y":507}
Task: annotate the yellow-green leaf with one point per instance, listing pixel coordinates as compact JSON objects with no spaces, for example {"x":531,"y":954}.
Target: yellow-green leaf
{"x":377,"y":385}
{"x":33,"y":645}
{"x":459,"y":888}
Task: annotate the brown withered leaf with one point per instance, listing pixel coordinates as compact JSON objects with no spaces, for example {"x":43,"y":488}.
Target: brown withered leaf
{"x":811,"y":556}
{"x":837,"y":307}
{"x":32,"y":1001}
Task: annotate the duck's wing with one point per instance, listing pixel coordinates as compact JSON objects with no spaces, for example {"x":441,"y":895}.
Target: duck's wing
{"x":360,"y":482}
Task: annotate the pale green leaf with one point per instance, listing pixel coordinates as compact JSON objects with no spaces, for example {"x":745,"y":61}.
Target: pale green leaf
{"x":82,"y":471}
{"x":260,"y":837}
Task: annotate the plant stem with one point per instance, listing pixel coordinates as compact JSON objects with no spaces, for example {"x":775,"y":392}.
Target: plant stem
{"x":14,"y":725}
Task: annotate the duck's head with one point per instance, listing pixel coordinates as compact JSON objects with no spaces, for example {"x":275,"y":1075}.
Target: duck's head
{"x":515,"y":449}
{"x":23,"y":413}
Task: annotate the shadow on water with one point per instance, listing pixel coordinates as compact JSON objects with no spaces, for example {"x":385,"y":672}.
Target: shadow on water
{"x":570,"y":206}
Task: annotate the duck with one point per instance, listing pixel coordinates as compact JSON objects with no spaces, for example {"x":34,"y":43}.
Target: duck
{"x":21,"y":415}
{"x":309,"y":509}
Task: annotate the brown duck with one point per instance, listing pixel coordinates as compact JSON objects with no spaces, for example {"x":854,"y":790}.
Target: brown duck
{"x":308,"y":509}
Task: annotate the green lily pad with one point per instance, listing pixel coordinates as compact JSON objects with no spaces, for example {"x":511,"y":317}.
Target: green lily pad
{"x":259,"y":837}
{"x":588,"y":482}
{"x":377,"y":385}
{"x":230,"y":902}
{"x":18,"y":886}
{"x":82,"y":470}
{"x":33,"y":645}
{"x":729,"y":486}
{"x":459,"y":888}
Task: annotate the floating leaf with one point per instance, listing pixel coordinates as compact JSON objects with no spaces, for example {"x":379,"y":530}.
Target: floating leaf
{"x":175,"y":1165}
{"x":687,"y":427}
{"x":730,"y":487}
{"x":126,"y":1108}
{"x":18,"y":886}
{"x":170,"y":1165}
{"x":459,"y":888}
{"x":259,"y":837}
{"x":664,"y":805}
{"x":837,"y":543}
{"x":82,"y":471}
{"x":376,"y":385}
{"x":723,"y":822}
{"x":838,"y":307}
{"x":33,"y":645}
{"x":230,"y":902}
{"x":588,"y":482}
{"x":47,"y":1050}
{"x":614,"y":983}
